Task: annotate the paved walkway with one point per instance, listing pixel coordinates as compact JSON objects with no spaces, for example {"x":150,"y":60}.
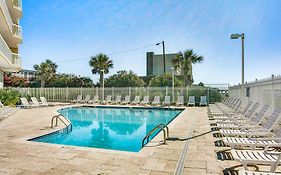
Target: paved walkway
{"x":18,"y":156}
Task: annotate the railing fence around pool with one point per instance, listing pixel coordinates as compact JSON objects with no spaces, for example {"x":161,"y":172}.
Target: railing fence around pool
{"x":214,"y":92}
{"x":266,"y":91}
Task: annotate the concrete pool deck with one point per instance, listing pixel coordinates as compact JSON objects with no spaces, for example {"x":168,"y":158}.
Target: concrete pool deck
{"x":190,"y":151}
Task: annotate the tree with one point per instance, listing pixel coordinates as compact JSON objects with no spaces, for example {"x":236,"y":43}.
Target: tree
{"x":100,"y":62}
{"x":165,"y":80}
{"x":70,"y":80}
{"x":45,"y":71}
{"x":124,"y":79}
{"x":184,"y":61}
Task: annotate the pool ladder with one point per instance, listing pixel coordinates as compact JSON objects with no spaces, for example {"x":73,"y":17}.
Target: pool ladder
{"x":162,"y":127}
{"x":58,"y":117}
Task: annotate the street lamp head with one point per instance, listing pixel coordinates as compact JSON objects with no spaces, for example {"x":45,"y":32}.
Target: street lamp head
{"x":157,"y":44}
{"x":235,"y":36}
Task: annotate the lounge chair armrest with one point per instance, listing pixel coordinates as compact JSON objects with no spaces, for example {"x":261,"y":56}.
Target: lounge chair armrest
{"x":260,"y":133}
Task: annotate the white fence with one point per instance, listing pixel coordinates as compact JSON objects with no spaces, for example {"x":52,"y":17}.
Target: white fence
{"x":214,"y":94}
{"x":266,"y":91}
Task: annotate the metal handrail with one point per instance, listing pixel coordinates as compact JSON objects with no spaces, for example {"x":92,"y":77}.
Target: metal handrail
{"x":162,"y":128}
{"x":58,"y":117}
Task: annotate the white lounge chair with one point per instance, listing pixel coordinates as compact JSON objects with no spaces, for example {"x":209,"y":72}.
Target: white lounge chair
{"x":45,"y":102}
{"x":145,"y":100}
{"x":79,"y":99}
{"x":167,"y":101}
{"x":263,"y":130}
{"x":25,"y":104}
{"x":191,"y":101}
{"x":95,"y":99}
{"x":240,"y":122}
{"x":156,"y":100}
{"x":36,"y":103}
{"x":6,"y":111}
{"x":261,"y":157}
{"x":203,"y":101}
{"x":180,"y":101}
{"x":87,"y":99}
{"x":127,"y":100}
{"x":117,"y":100}
{"x":136,"y":100}
{"x":250,"y":116}
{"x":108,"y":99}
{"x":244,"y":172}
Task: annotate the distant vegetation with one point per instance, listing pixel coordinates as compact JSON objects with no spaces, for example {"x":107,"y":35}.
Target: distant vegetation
{"x":165,"y":80}
{"x":124,"y":79}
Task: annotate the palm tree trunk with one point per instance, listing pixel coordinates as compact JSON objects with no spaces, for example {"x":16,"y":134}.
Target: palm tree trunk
{"x":101,"y":79}
{"x":42,"y":83}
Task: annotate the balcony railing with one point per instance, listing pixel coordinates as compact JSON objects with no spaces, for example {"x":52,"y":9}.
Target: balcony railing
{"x":16,"y":60}
{"x":5,"y":10}
{"x":18,"y":4}
{"x":17,"y":31}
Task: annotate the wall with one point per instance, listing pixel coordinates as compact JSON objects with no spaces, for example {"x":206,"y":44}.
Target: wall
{"x":265,"y":91}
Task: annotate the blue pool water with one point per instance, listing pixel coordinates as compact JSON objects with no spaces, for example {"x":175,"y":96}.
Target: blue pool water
{"x":109,"y":128}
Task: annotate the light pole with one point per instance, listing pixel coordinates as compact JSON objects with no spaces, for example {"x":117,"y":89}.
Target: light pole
{"x":242,"y":36}
{"x":164,"y":56}
{"x":102,"y":85}
{"x":173,"y":83}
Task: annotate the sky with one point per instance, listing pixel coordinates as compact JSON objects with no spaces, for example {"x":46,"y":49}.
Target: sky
{"x":70,"y":32}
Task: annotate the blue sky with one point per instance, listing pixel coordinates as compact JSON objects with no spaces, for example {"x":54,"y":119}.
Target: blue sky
{"x":69,"y":32}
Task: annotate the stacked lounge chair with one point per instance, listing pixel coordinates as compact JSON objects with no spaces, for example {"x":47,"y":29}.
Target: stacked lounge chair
{"x":145,"y":100}
{"x":156,"y":100}
{"x":191,"y":101}
{"x":251,"y":135}
{"x":167,"y":101}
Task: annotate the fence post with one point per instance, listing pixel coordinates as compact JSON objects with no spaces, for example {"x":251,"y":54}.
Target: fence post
{"x":272,"y":93}
{"x":112,"y":92}
{"x":130,"y":92}
{"x":166,"y":90}
{"x":53,"y":95}
{"x":208,"y":94}
{"x":67,"y":93}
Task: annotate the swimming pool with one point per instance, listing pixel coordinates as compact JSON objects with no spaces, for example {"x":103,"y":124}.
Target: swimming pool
{"x":109,"y":127}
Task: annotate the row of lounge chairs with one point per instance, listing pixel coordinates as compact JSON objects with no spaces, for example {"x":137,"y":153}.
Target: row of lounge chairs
{"x":137,"y":100}
{"x":249,"y":132}
{"x":34,"y":102}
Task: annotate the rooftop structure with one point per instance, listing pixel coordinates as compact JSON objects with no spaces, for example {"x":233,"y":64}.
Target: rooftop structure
{"x":10,"y":36}
{"x":25,"y":73}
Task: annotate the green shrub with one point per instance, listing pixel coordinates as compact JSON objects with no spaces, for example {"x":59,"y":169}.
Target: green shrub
{"x":9,"y":97}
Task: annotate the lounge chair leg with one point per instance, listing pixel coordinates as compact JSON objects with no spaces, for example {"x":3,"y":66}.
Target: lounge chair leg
{"x":245,"y":165}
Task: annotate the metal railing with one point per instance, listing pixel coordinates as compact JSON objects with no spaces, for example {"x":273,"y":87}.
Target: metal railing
{"x":18,"y":4}
{"x":57,"y":117}
{"x":17,"y":31}
{"x":266,"y":91}
{"x":4,"y":8}
{"x":16,"y":59}
{"x":4,"y":48}
{"x":162,"y":127}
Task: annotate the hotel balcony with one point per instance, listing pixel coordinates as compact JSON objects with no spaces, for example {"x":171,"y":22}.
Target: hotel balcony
{"x":17,"y":31}
{"x":15,"y":8}
{"x":10,"y":30}
{"x":9,"y":61}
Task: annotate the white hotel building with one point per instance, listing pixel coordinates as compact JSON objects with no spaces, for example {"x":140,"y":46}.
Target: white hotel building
{"x":10,"y":36}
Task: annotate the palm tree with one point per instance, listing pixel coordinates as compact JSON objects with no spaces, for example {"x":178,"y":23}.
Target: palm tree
{"x":100,"y":62}
{"x":184,"y":61}
{"x":45,"y":71}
